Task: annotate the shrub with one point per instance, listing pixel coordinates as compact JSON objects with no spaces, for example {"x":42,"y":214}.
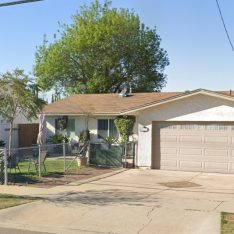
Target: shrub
{"x":110,"y":140}
{"x":84,"y":136}
{"x":125,"y":126}
{"x":58,"y":138}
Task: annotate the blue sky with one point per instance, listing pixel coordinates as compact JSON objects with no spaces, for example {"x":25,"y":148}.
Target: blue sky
{"x":191,"y":32}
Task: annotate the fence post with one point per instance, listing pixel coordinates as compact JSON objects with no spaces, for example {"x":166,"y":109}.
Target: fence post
{"x":39,"y":161}
{"x":64,"y":155}
{"x":5,"y":167}
{"x":125,"y":155}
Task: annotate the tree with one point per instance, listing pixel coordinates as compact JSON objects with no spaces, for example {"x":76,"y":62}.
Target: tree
{"x":105,"y":49}
{"x":125,"y":126}
{"x":16,"y":98}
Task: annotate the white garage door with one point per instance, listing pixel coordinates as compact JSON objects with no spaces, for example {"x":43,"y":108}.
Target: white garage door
{"x":190,"y":146}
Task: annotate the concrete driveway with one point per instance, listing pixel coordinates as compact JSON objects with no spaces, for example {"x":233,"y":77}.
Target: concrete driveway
{"x":134,"y":201}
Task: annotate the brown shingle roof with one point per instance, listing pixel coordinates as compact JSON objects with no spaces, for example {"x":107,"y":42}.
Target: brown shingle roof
{"x":112,"y":103}
{"x":104,"y":103}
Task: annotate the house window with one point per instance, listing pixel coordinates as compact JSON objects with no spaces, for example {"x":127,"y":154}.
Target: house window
{"x":70,"y":128}
{"x":71,"y":131}
{"x":107,"y":128}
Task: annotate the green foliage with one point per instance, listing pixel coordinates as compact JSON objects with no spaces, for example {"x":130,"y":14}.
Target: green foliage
{"x":110,"y":140}
{"x":58,"y":139}
{"x":104,"y":49}
{"x":84,"y":136}
{"x":227,"y":224}
{"x":17,"y":97}
{"x":62,"y":122}
{"x":125,"y":126}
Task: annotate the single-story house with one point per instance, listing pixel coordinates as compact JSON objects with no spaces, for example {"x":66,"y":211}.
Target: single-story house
{"x":189,"y":131}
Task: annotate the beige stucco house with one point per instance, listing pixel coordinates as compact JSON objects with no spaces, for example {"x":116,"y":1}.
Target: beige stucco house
{"x":189,"y":131}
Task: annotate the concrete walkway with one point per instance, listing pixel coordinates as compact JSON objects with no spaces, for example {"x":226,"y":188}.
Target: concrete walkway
{"x":134,"y":201}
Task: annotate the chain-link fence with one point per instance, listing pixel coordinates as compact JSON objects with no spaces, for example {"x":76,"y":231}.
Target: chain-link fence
{"x":46,"y":164}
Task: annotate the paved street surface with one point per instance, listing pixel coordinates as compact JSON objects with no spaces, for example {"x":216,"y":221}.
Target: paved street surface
{"x":131,"y":202}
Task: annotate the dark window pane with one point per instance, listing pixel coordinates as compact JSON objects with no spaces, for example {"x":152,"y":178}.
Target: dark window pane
{"x":102,"y":128}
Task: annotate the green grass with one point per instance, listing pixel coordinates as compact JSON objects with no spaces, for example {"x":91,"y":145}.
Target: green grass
{"x":53,"y":167}
{"x":227,"y":223}
{"x":10,"y":200}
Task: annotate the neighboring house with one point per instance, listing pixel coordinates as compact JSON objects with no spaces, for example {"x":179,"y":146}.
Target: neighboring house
{"x":190,"y":131}
{"x":24,"y":131}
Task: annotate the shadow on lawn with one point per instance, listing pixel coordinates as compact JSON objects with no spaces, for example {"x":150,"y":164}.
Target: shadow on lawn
{"x":19,"y":178}
{"x":32,"y":178}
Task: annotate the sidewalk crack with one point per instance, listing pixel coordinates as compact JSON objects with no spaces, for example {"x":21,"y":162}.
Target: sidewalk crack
{"x":148,"y":215}
{"x":218,"y":205}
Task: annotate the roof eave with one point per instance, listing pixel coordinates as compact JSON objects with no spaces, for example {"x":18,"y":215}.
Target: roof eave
{"x":80,"y":114}
{"x":178,"y":97}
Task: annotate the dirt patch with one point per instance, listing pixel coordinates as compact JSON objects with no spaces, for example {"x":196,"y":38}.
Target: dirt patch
{"x":56,"y":179}
{"x":180,"y":184}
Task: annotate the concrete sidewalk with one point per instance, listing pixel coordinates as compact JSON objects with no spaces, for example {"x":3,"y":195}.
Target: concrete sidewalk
{"x":135,"y":201}
{"x":54,"y":191}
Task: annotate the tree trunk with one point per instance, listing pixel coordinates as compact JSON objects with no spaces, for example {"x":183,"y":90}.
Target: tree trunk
{"x":10,"y":138}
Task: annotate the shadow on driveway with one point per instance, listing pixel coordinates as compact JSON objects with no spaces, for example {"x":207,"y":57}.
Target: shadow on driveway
{"x":107,"y":197}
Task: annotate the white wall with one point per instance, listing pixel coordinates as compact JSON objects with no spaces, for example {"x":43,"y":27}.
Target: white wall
{"x":80,"y":124}
{"x":196,"y":108}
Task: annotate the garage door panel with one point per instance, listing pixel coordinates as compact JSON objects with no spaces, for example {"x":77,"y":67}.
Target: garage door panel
{"x":165,"y":151}
{"x":190,"y":151}
{"x":168,"y":138}
{"x":196,"y":147}
{"x":191,"y":139}
{"x":216,"y":152}
{"x":169,"y":163}
{"x":190,"y":165}
{"x":169,"y":157}
{"x":232,"y":166}
{"x":216,"y":166}
{"x":215,"y":139}
{"x":232,"y":153}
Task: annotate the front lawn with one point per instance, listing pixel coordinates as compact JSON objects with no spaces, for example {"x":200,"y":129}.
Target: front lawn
{"x":227,"y":223}
{"x":54,"y":174}
{"x":54,"y":168}
{"x":10,"y":200}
